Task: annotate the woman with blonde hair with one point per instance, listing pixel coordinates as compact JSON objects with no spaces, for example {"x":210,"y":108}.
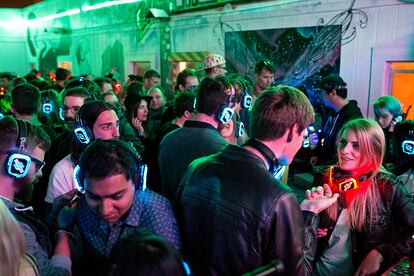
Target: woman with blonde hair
{"x":370,"y":226}
{"x":13,"y":261}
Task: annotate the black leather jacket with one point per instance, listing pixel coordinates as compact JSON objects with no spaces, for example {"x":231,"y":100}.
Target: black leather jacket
{"x":235,"y":217}
{"x":390,"y":232}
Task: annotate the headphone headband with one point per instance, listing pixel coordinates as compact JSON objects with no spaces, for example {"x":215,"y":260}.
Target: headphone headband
{"x":274,"y":167}
{"x":83,"y":134}
{"x":21,"y":135}
{"x":225,"y":112}
{"x":47,"y":105}
{"x":139,"y":176}
{"x":18,"y":163}
{"x":342,"y":181}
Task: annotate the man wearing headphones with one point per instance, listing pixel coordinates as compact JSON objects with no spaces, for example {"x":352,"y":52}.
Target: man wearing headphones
{"x":234,"y":214}
{"x":96,"y":120}
{"x":115,"y":201}
{"x":198,"y":137}
{"x":23,"y":148}
{"x":335,"y":93}
{"x":26,"y":106}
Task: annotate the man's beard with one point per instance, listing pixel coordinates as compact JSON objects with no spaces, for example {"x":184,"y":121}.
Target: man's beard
{"x":70,"y":122}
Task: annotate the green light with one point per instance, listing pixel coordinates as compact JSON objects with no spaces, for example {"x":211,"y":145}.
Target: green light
{"x":108,"y":4}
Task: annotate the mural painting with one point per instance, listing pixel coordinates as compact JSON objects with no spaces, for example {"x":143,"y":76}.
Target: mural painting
{"x":299,"y":56}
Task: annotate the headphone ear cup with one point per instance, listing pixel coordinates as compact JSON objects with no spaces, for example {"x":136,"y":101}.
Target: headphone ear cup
{"x":225,"y":115}
{"x":397,"y":119}
{"x":247,"y":101}
{"x":140,"y":170}
{"x":239,"y":130}
{"x":78,"y":179}
{"x":17,"y":165}
{"x":83,"y":134}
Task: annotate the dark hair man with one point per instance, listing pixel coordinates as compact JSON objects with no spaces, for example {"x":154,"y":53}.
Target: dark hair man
{"x":116,"y":203}
{"x":230,"y":204}
{"x":151,"y":78}
{"x":183,"y":109}
{"x":335,"y":92}
{"x":264,"y":73}
{"x":62,"y":75}
{"x":92,"y":88}
{"x":96,"y":120}
{"x":26,"y":106}
{"x":187,"y":80}
{"x":105,"y":84}
{"x":6,"y":82}
{"x":215,"y":66}
{"x":23,"y":148}
{"x":73,"y":99}
{"x":125,"y":128}
{"x":198,"y":137}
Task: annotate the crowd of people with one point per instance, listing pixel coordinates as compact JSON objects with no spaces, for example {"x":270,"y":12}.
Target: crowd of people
{"x":99,"y":179}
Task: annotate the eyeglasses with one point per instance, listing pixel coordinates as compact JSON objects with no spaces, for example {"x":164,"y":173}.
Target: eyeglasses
{"x":39,"y":164}
{"x":73,"y":109}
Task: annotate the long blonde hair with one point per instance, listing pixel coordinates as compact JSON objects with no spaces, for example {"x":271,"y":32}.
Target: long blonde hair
{"x":364,"y":207}
{"x":12,"y":245}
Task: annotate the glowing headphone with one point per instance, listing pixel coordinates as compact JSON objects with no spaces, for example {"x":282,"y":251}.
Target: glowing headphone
{"x":138,"y":176}
{"x":18,"y":164}
{"x":342,"y":181}
{"x":82,"y":133}
{"x":246,"y":98}
{"x":275,"y":168}
{"x":311,"y":138}
{"x":398,"y":118}
{"x":239,"y":129}
{"x":225,"y":112}
{"x":47,"y":106}
{"x":408,"y":144}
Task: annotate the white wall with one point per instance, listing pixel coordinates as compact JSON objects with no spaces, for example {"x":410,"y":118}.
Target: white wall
{"x":388,"y":36}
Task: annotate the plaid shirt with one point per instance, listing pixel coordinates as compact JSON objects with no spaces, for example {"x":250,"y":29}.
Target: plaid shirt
{"x":149,"y":210}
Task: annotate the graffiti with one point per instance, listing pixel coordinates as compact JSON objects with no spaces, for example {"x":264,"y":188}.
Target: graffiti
{"x":82,"y":53}
{"x":297,"y":58}
{"x":47,"y":42}
{"x":113,"y":61}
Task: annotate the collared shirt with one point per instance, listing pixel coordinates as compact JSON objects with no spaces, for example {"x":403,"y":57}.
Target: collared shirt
{"x":149,"y":210}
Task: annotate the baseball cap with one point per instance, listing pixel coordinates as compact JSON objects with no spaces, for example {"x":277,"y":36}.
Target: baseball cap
{"x":214,"y":60}
{"x":331,"y":81}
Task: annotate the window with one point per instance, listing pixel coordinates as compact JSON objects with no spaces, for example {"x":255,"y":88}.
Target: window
{"x":401,"y":84}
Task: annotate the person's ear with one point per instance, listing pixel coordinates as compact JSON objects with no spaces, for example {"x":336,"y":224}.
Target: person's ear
{"x":187,"y":114}
{"x":181,"y":87}
{"x":292,"y":132}
{"x":225,"y":129}
{"x":12,"y":109}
